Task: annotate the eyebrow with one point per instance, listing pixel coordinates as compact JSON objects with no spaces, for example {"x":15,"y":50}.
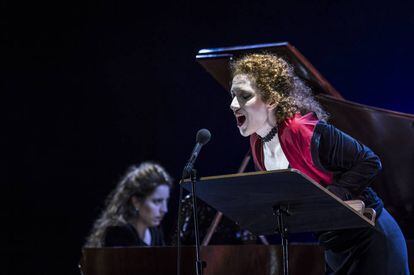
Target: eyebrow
{"x":235,"y":90}
{"x":159,"y":198}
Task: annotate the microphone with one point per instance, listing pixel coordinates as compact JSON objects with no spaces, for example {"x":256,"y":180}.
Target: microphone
{"x":203,"y":136}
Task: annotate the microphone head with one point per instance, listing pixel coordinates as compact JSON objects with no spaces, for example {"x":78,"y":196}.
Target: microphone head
{"x":203,"y":136}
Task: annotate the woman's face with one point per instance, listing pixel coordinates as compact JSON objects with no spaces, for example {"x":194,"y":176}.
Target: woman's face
{"x":153,"y":208}
{"x":252,"y":114}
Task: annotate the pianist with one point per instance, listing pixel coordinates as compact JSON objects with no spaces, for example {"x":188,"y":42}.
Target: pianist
{"x":134,"y":209}
{"x":288,"y":128}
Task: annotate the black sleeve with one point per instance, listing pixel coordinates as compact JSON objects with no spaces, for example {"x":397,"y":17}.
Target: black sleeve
{"x":354,"y":165}
{"x":119,"y":236}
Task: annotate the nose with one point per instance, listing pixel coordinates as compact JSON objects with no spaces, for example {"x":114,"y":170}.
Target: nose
{"x":234,"y":106}
{"x":164,"y":208}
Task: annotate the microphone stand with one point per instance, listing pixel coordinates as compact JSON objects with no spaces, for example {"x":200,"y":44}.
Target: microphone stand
{"x":203,"y":136}
{"x":199,"y":264}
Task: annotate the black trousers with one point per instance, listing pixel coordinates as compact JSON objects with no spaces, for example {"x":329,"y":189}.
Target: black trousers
{"x":381,"y":250}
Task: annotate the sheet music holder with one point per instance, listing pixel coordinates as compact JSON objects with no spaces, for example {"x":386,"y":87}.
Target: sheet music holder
{"x":253,"y":201}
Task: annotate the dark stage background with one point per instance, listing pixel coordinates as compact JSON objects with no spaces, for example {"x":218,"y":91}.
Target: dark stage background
{"x":92,"y":87}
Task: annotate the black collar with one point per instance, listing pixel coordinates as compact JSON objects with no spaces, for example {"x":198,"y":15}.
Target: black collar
{"x":270,"y":135}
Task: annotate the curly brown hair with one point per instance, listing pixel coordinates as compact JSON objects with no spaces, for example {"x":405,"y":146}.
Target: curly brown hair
{"x":139,"y":181}
{"x":277,"y":83}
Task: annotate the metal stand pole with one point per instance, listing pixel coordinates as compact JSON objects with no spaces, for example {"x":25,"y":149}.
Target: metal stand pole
{"x":199,"y":263}
{"x":282,"y":212}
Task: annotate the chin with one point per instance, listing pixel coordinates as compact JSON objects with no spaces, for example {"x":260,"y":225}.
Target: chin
{"x":244,"y":132}
{"x":155,"y":224}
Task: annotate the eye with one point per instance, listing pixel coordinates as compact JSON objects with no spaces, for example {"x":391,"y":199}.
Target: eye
{"x":246,"y":96}
{"x":157,"y":201}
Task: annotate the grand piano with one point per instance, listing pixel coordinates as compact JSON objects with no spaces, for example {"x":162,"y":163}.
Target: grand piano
{"x":389,"y":134}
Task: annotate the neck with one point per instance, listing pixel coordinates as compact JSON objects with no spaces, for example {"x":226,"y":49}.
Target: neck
{"x":141,"y":228}
{"x":270,"y":123}
{"x":265,"y":130}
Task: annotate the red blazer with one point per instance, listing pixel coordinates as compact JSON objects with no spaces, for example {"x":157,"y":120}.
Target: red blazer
{"x":329,"y":156}
{"x":295,"y":136}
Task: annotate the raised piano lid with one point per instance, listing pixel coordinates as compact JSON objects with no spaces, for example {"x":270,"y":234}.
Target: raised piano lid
{"x":388,"y":133}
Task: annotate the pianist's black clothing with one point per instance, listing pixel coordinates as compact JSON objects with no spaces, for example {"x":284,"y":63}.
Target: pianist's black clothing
{"x":127,"y":235}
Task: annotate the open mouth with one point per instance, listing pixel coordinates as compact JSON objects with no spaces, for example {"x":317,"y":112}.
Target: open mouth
{"x":240,"y":120}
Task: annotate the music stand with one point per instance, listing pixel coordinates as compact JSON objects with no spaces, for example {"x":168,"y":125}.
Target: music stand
{"x":282,"y":201}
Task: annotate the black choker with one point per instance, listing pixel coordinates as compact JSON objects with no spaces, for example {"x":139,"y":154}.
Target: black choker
{"x":270,"y":135}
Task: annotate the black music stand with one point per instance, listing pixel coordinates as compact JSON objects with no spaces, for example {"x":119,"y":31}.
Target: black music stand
{"x":281,"y":201}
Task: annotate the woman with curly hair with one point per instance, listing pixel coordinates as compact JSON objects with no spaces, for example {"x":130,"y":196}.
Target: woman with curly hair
{"x":288,"y":128}
{"x":134,"y":209}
